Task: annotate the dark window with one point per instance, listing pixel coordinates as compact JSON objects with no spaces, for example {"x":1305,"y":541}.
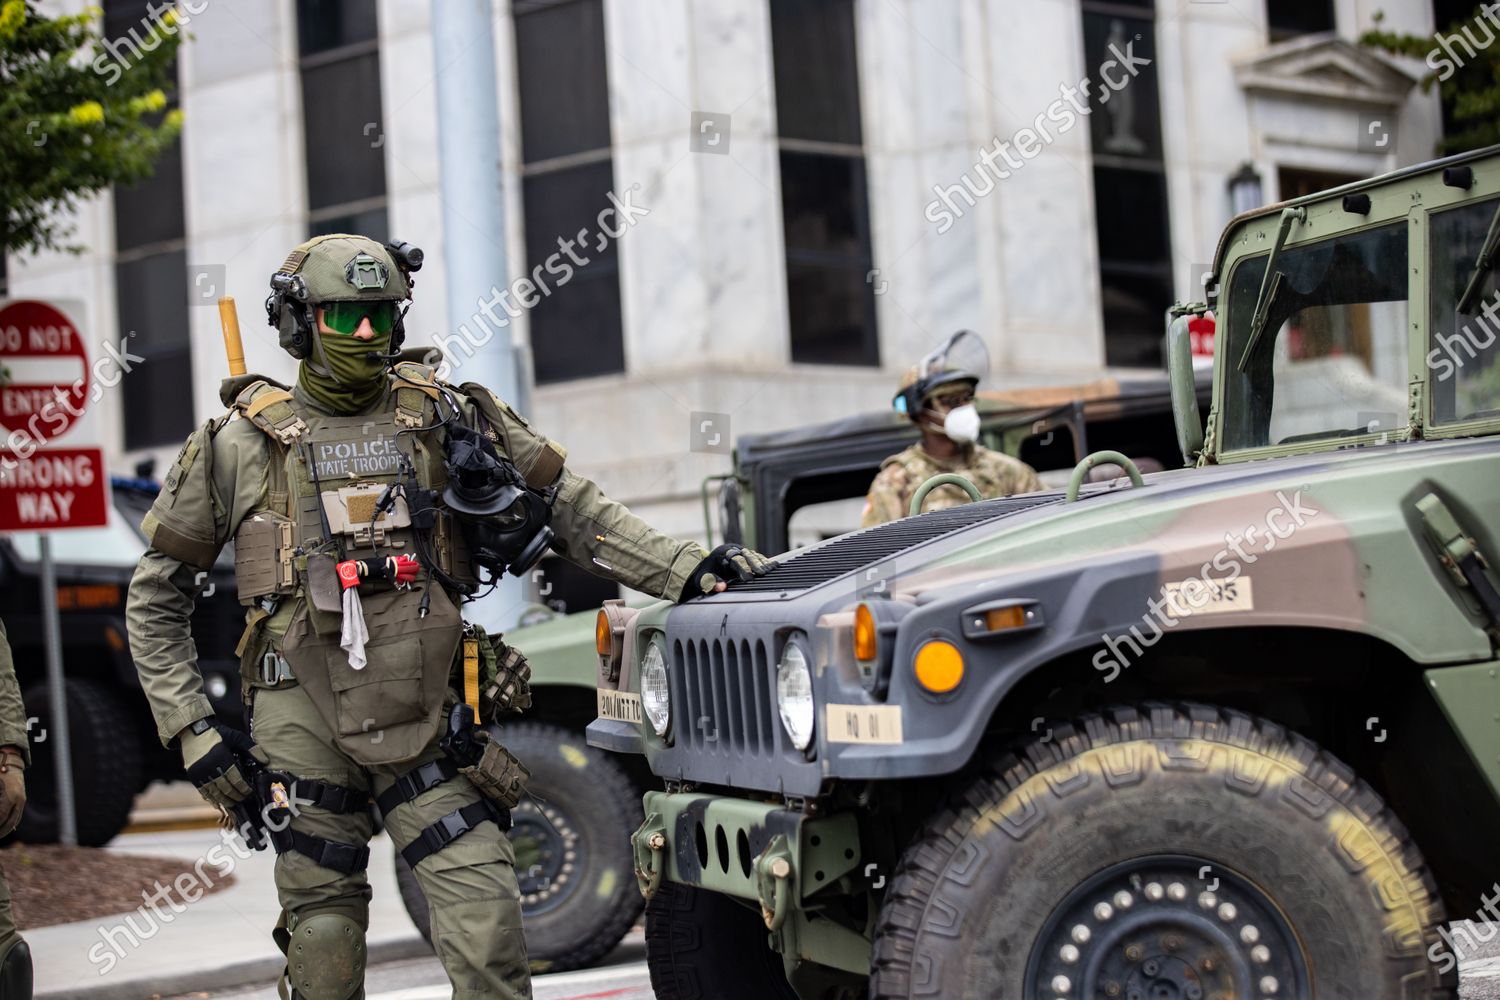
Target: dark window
{"x":824,"y":201}
{"x":567,"y":177}
{"x":1130,"y":186}
{"x":1295,"y":183}
{"x":575,"y":327}
{"x":342,"y":117}
{"x":813,"y":42}
{"x":564,"y":95}
{"x":4,"y":276}
{"x":152,"y":294}
{"x":323,"y":25}
{"x":1290,"y":18}
{"x":151,"y":284}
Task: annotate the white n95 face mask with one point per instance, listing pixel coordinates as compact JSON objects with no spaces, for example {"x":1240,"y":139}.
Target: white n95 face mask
{"x":962,"y":424}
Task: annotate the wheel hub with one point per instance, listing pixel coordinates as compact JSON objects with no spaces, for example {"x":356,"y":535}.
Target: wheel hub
{"x":548,"y":855}
{"x":1153,"y":929}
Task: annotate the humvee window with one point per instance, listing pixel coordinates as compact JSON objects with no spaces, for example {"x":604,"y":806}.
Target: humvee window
{"x":1336,"y":366}
{"x":1462,"y":370}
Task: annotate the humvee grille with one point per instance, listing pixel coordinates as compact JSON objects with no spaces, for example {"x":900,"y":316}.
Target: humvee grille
{"x":817,"y":564}
{"x":724,"y":689}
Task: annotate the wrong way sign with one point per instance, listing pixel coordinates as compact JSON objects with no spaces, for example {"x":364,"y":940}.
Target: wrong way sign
{"x":52,"y":471}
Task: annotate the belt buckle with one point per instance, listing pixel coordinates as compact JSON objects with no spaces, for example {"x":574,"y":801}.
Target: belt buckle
{"x":273,"y":668}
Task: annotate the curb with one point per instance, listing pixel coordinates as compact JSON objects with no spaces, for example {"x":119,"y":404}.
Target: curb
{"x":247,"y":973}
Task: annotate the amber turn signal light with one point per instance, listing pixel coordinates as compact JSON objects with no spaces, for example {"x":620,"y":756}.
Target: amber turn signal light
{"x":866,"y":644}
{"x":999,"y":619}
{"x":939,"y":666}
{"x":603,"y":635}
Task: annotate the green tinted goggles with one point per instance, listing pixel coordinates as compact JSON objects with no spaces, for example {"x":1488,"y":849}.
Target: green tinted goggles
{"x":345,"y":317}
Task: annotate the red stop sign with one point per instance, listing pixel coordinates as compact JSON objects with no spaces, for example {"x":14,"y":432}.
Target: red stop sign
{"x":49,"y":371}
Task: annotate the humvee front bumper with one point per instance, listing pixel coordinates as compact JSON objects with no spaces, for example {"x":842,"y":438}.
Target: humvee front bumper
{"x":751,"y":850}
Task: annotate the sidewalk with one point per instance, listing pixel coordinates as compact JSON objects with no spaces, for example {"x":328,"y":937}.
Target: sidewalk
{"x":221,"y":940}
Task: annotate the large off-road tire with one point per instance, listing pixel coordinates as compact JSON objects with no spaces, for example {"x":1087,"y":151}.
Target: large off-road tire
{"x":572,"y":839}
{"x":106,"y":758}
{"x":1167,"y":851}
{"x":704,"y":946}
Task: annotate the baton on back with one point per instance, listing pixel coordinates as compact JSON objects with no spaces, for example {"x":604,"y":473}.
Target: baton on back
{"x":229,"y":320}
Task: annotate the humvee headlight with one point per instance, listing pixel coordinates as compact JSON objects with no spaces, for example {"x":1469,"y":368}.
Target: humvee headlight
{"x":939,"y":666}
{"x":656,"y":702}
{"x":794,"y":695}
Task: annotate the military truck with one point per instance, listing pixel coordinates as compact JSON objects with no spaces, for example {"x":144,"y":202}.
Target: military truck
{"x":571,"y":834}
{"x":114,"y":750}
{"x":1222,"y":731}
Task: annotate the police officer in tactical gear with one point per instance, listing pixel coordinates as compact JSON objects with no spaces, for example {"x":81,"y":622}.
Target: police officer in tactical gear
{"x":15,"y":755}
{"x":365,"y":503}
{"x":937,"y":394}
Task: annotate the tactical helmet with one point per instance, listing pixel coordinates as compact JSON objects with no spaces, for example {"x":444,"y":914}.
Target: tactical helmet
{"x":338,"y":267}
{"x":962,"y":358}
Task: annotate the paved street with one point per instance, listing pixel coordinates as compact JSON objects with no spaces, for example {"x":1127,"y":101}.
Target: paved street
{"x":623,"y":977}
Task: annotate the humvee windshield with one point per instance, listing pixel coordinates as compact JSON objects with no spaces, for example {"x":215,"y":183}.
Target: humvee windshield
{"x":1337,"y":364}
{"x":1463,"y":376}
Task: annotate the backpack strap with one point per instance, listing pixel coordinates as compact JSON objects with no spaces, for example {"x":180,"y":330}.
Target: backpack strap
{"x":269,"y":406}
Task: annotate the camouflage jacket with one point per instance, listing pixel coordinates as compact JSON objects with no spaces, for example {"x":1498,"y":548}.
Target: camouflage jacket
{"x":995,"y":473}
{"x":221,"y":476}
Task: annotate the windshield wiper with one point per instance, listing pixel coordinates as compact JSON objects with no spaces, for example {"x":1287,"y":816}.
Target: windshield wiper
{"x":1483,"y":265}
{"x":1270,"y":284}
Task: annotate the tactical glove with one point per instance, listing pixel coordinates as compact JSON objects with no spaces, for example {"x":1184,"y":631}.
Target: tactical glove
{"x":726,"y":563}
{"x":12,"y":789}
{"x":210,"y":758}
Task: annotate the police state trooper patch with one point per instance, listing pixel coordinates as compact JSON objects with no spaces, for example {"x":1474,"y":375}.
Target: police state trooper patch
{"x":366,"y":455}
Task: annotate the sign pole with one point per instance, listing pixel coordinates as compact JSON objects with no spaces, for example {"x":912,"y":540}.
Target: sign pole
{"x":67,"y":823}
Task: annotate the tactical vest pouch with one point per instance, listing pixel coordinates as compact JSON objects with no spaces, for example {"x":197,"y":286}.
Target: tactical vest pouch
{"x":324,"y":593}
{"x":389,"y":711}
{"x":510,"y":689}
{"x":499,"y":775}
{"x":263,"y":556}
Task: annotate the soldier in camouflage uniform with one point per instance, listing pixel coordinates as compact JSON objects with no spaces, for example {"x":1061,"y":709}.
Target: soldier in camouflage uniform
{"x":15,"y":756}
{"x":941,"y":403}
{"x":303,"y":479}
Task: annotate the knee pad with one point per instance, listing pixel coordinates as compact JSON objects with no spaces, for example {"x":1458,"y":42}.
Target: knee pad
{"x":325,"y":957}
{"x":15,"y":973}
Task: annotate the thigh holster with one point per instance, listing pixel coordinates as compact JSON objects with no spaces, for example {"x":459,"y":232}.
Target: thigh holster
{"x":449,"y":827}
{"x":280,"y":809}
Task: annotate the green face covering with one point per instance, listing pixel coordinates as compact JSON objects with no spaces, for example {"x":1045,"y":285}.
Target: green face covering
{"x":356,"y":380}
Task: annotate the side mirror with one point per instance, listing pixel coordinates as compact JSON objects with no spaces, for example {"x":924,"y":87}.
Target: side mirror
{"x":1184,"y":385}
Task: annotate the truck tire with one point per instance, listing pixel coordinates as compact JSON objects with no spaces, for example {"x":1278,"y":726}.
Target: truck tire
{"x":106,"y":758}
{"x":572,"y":838}
{"x":1183,"y":851}
{"x":706,"y":946}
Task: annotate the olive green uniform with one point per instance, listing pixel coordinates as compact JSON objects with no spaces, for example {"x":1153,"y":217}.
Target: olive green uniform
{"x":228,"y":472}
{"x":994,"y":473}
{"x":12,"y":733}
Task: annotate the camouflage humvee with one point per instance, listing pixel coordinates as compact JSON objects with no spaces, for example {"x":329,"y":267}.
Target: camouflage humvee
{"x":1223,"y":732}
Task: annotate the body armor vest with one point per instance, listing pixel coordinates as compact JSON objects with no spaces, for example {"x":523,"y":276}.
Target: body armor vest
{"x":327,"y":479}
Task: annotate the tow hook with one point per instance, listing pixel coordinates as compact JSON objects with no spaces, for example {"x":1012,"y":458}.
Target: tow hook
{"x":773,"y":872}
{"x":648,"y":843}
